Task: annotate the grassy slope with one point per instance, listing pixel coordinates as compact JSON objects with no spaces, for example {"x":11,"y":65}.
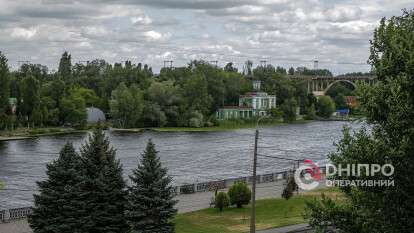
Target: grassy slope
{"x":270,"y":213}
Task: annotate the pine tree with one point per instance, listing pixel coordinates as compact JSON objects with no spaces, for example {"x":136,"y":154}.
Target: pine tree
{"x":150,"y":200}
{"x":57,"y":207}
{"x":103,"y":188}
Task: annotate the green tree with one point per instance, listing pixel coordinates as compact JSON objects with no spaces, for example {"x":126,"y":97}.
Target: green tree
{"x":127,"y":105}
{"x":221,"y":201}
{"x":310,"y":113}
{"x":291,"y":71}
{"x":239,"y":194}
{"x":325,"y":106}
{"x":4,"y":91}
{"x":103,"y":190}
{"x":150,"y":201}
{"x":65,"y":66}
{"x":30,"y":96}
{"x":4,"y":84}
{"x":289,"y":110}
{"x":57,"y":207}
{"x":230,"y":68}
{"x":73,"y":110}
{"x":340,"y":102}
{"x":89,"y":96}
{"x":388,"y":108}
{"x":196,"y":94}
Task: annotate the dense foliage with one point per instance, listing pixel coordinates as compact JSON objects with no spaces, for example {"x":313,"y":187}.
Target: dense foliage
{"x":325,"y":106}
{"x":150,"y":201}
{"x":388,"y":106}
{"x":131,"y":95}
{"x":239,"y":194}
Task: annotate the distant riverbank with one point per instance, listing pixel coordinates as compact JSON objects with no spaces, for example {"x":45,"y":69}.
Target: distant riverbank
{"x":25,"y":133}
{"x":227,"y":126}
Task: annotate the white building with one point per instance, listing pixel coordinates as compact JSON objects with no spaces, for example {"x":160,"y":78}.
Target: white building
{"x":251,"y":104}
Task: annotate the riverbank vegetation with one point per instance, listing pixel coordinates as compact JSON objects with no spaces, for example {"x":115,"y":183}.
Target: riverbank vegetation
{"x":132,"y":96}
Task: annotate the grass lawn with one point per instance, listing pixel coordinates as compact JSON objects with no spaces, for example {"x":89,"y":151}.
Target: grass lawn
{"x":270,"y":213}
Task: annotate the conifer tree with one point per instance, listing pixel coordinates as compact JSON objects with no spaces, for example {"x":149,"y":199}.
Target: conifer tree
{"x":103,"y":188}
{"x":150,"y":200}
{"x":57,"y":207}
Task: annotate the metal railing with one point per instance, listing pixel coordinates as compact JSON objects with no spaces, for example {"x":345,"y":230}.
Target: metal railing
{"x":15,"y":214}
{"x":20,"y":213}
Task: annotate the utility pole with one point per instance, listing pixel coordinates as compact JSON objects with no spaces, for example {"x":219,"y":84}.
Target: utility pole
{"x":253,"y":217}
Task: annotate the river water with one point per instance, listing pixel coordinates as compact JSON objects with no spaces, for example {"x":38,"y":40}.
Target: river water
{"x":190,"y":156}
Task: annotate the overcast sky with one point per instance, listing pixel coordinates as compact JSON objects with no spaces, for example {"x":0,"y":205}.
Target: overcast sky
{"x":283,"y":32}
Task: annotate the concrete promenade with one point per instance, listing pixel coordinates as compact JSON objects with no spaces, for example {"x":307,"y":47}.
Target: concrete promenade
{"x":187,"y":203}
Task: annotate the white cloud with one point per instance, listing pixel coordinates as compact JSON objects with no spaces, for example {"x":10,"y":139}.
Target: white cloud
{"x":94,"y":31}
{"x":156,"y":36}
{"x":141,"y":20}
{"x":23,"y":33}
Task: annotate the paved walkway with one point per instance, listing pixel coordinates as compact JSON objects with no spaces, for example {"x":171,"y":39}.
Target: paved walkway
{"x":187,"y":203}
{"x":299,"y":228}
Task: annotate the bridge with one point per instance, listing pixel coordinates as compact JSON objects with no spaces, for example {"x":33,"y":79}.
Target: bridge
{"x":319,"y":85}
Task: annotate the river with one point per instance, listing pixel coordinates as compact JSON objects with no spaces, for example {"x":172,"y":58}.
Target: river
{"x":190,"y":156}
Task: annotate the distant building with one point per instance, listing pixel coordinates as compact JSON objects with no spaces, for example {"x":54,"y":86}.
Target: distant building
{"x":251,"y":104}
{"x":351,"y":101}
{"x":94,"y":115}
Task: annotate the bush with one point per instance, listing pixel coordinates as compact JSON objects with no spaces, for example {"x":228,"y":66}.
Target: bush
{"x":326,"y":106}
{"x":221,"y":201}
{"x":196,"y":120}
{"x":239,"y":194}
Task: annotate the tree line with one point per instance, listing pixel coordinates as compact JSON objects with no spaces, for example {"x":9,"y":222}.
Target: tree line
{"x":133,"y":96}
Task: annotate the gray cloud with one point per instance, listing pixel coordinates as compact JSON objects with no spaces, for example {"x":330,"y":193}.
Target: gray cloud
{"x":288,"y":33}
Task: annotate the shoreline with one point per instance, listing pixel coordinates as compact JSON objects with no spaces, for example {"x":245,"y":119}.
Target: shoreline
{"x":206,"y":129}
{"x":19,"y":135}
{"x":27,"y":134}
